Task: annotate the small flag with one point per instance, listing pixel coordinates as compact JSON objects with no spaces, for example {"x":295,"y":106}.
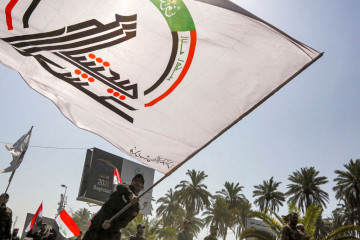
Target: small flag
{"x":67,"y":226}
{"x":17,"y":151}
{"x":117,"y":179}
{"x":36,"y":220}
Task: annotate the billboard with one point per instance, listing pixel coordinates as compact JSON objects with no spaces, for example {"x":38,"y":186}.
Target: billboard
{"x":97,"y":182}
{"x":49,"y":221}
{"x":258,"y":224}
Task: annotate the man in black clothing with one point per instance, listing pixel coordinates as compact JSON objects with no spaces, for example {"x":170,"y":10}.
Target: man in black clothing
{"x":185,"y":234}
{"x":101,"y":228}
{"x":5,"y":218}
{"x":289,"y":231}
{"x":38,"y":232}
{"x":213,"y":233}
{"x":139,"y":233}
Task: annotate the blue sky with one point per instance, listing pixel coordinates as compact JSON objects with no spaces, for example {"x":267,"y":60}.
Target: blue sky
{"x":312,"y":121}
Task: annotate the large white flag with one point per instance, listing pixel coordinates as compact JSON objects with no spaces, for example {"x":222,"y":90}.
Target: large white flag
{"x":159,"y":79}
{"x":67,"y":226}
{"x":17,"y":151}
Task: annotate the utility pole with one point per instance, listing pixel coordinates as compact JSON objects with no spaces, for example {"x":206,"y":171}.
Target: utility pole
{"x":62,"y":202}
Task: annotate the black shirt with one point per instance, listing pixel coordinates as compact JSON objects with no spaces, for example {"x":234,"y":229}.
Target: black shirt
{"x":117,"y":201}
{"x":136,"y":237}
{"x":5,"y":222}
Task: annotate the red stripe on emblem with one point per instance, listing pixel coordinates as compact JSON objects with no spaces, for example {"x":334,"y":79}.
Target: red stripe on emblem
{"x":182,"y":74}
{"x":8,"y":10}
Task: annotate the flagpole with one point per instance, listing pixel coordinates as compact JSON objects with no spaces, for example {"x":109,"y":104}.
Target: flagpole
{"x":147,"y":190}
{"x":224,"y":130}
{"x":10,"y":179}
{"x":21,"y":156}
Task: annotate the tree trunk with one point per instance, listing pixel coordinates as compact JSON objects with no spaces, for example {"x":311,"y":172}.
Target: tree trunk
{"x":357,"y":192}
{"x":266,"y":206}
{"x":308,"y":203}
{"x":225,"y":233}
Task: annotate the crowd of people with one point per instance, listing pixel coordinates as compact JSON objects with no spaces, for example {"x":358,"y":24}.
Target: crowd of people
{"x":103,"y":227}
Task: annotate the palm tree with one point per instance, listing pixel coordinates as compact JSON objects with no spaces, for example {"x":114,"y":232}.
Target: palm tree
{"x":197,"y":224}
{"x":152,"y":227}
{"x":276,"y":223}
{"x":348,"y":186}
{"x":241,"y":213}
{"x":267,"y":196}
{"x":82,"y":218}
{"x":231,"y":193}
{"x":305,"y":188}
{"x":345,"y":213}
{"x":220,"y":215}
{"x":168,"y":208}
{"x":167,"y":233}
{"x":193,"y":195}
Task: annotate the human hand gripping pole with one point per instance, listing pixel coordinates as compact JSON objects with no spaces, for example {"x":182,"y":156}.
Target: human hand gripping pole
{"x":107,"y":223}
{"x":135,"y":199}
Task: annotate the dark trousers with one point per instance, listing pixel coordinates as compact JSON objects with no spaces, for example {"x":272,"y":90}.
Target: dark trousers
{"x":102,"y":235}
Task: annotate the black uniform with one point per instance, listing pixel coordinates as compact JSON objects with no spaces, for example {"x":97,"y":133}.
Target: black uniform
{"x":36,"y":235}
{"x":291,"y":233}
{"x":210,"y":238}
{"x":5,"y":222}
{"x":118,"y":200}
{"x":184,"y":236}
{"x":136,"y":237}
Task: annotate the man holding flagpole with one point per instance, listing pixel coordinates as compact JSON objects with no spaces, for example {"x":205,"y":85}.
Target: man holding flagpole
{"x":123,"y":195}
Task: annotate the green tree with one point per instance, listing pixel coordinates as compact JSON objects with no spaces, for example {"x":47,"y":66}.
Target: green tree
{"x":152,"y":227}
{"x":231,"y":193}
{"x":267,"y":196}
{"x":275,"y":223}
{"x":193,"y":194}
{"x":82,"y":218}
{"x":305,"y":188}
{"x":241,"y":213}
{"x":168,"y":233}
{"x":348,"y":187}
{"x":197,"y":224}
{"x":169,"y":207}
{"x":220,"y":215}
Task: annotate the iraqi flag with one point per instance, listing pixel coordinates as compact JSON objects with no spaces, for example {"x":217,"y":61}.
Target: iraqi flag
{"x":36,"y":220}
{"x":67,"y":226}
{"x":117,"y":178}
{"x":159,"y":79}
{"x":17,"y":151}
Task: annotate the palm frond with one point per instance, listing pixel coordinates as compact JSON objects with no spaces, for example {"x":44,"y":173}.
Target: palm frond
{"x":272,"y":223}
{"x":346,"y":238}
{"x":309,"y":220}
{"x":278,"y":217}
{"x":341,"y":231}
{"x":257,"y":234}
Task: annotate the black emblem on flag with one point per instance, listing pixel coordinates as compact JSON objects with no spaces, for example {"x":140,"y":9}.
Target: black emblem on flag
{"x":69,"y":50}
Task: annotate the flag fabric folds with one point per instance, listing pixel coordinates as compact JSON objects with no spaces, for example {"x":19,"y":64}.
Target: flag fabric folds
{"x":159,"y":79}
{"x":17,"y":151}
{"x":36,"y":220}
{"x":117,"y":178}
{"x":67,"y":226}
